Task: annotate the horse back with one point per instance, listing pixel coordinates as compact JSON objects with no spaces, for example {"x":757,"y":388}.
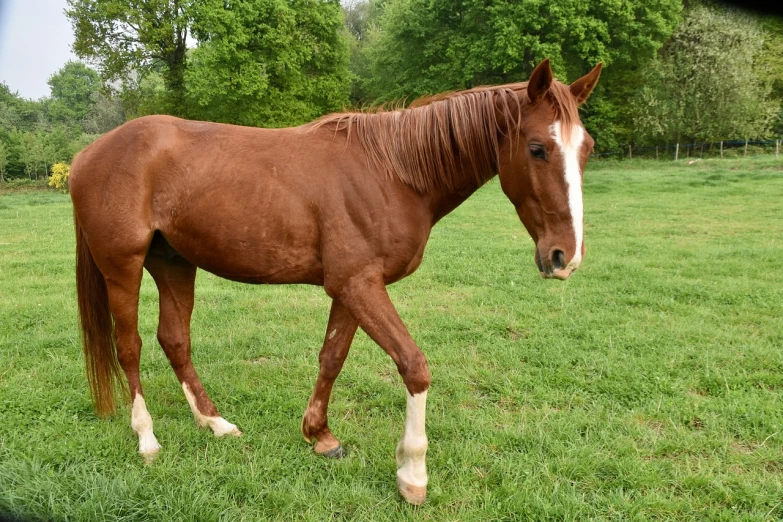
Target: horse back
{"x":254,"y":205}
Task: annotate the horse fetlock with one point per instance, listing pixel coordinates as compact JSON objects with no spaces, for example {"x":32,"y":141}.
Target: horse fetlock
{"x":217,"y":424}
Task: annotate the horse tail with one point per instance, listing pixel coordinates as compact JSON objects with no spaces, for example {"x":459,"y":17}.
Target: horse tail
{"x":97,"y":328}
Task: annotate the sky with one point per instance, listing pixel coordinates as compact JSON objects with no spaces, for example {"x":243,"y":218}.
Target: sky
{"x":35,"y":42}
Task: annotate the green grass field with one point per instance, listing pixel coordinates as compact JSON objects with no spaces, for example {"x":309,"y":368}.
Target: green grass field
{"x":647,"y":387}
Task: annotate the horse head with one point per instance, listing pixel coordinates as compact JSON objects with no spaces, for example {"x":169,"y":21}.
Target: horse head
{"x":541,"y":173}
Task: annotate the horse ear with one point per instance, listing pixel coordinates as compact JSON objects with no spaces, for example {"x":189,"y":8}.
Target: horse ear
{"x":582,"y":87}
{"x":539,"y":81}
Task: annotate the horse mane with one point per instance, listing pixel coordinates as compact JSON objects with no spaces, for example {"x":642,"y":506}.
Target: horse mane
{"x":440,"y":140}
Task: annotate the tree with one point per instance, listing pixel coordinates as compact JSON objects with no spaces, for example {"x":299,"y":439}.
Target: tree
{"x":428,"y":46}
{"x":422,"y":47}
{"x":361,"y":17}
{"x":706,"y":84}
{"x":73,"y":89}
{"x":124,"y":36}
{"x":105,"y":114}
{"x":31,"y":154}
{"x":3,"y":160}
{"x":267,"y":62}
{"x":771,"y":63}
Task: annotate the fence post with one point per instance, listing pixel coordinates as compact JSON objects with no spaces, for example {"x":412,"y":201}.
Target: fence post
{"x":630,"y":152}
{"x":677,"y":152}
{"x":777,"y":149}
{"x":721,"y":149}
{"x":746,"y":147}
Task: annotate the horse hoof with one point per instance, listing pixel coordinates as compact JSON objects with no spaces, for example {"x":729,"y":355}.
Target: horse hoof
{"x":221,"y":427}
{"x":233,"y":433}
{"x":337,"y":452}
{"x":415,"y":495}
{"x":149,"y":455}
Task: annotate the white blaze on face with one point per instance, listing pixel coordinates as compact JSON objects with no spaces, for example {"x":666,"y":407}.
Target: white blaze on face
{"x":569,"y":148}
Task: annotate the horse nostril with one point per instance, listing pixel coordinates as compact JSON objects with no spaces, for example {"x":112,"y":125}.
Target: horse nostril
{"x":558,"y":259}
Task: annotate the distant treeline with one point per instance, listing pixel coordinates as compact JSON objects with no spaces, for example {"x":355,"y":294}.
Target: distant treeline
{"x":676,"y":72}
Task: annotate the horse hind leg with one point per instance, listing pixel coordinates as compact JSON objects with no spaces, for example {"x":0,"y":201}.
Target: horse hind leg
{"x":175,"y":278}
{"x":123,"y":280}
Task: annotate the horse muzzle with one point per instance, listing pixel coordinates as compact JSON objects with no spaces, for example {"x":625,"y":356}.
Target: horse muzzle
{"x":554,"y":265}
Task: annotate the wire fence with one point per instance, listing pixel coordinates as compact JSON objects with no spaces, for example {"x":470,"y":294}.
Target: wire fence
{"x":708,"y":149}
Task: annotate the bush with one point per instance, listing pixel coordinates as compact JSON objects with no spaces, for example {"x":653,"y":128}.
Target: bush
{"x":59,"y":177}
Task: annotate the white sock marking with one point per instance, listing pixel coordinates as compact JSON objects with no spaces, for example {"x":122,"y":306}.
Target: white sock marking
{"x":412,"y":448}
{"x":218,"y":425}
{"x":141,"y":422}
{"x":569,"y":148}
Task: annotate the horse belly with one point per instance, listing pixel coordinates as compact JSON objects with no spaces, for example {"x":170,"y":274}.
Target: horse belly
{"x":258,"y":253}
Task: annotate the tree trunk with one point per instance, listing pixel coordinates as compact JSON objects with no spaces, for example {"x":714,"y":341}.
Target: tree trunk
{"x":677,"y":152}
{"x":656,"y":152}
{"x":721,"y":149}
{"x":174,"y":76}
{"x":777,"y":149}
{"x":630,"y":152}
{"x":746,"y":147}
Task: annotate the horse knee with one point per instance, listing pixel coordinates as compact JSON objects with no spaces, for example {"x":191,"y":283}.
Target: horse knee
{"x":415,"y":372}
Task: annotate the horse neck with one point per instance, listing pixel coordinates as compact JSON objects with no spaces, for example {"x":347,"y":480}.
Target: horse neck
{"x":443,"y":201}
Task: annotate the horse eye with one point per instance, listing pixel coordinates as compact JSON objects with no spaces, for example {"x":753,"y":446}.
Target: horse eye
{"x":538,"y":151}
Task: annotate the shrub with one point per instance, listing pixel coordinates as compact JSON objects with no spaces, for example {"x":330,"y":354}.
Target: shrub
{"x":59,"y":177}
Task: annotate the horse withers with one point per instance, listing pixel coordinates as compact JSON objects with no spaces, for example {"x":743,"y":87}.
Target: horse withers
{"x":346,"y":202}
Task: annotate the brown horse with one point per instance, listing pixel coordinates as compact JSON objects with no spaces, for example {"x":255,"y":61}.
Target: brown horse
{"x":347,"y":202}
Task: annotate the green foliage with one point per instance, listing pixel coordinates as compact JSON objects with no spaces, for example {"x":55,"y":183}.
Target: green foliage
{"x":38,"y":134}
{"x":105,"y":114}
{"x":128,"y":38}
{"x":3,"y":160}
{"x":73,"y":89}
{"x":267,"y":62}
{"x":418,"y":47}
{"x":361,"y":16}
{"x":706,"y":85}
{"x":429,"y":46}
{"x":770,"y":64}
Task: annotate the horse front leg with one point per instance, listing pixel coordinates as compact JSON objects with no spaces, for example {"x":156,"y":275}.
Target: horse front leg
{"x":339,"y":335}
{"x":366,"y":299}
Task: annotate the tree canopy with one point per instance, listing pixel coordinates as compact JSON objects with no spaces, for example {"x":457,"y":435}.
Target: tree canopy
{"x":707,"y":83}
{"x":268,"y":62}
{"x":73,"y":89}
{"x":127,"y":37}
